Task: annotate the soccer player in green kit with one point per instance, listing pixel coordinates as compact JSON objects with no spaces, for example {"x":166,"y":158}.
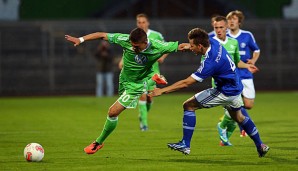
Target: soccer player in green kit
{"x":145,"y":101}
{"x":227,"y":125}
{"x":139,"y":54}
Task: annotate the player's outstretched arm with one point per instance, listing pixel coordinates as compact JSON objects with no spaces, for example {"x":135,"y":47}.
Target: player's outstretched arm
{"x":92,"y":36}
{"x":174,"y":87}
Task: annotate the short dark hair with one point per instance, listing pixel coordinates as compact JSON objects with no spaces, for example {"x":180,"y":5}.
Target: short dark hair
{"x":143,"y":15}
{"x":213,"y":18}
{"x":220,"y":18}
{"x":138,"y":35}
{"x":199,"y":36}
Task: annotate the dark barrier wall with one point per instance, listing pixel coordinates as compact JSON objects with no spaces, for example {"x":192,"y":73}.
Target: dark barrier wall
{"x":35,"y":59}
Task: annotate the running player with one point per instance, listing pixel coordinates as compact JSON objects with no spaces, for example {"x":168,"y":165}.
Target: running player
{"x":139,"y":54}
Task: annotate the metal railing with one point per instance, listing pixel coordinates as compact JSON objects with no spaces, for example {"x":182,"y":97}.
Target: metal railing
{"x":35,"y":58}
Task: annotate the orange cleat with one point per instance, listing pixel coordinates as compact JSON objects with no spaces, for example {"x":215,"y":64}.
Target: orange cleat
{"x":221,"y":143}
{"x":93,"y":148}
{"x":159,"y":79}
{"x":243,"y":134}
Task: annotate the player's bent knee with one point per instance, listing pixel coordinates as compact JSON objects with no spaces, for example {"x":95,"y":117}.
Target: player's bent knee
{"x":248,"y":106}
{"x":189,"y":106}
{"x":112,"y":112}
{"x":248,"y":103}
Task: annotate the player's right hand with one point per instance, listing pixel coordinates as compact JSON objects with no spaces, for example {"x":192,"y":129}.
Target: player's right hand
{"x":252,"y":68}
{"x":74,"y":40}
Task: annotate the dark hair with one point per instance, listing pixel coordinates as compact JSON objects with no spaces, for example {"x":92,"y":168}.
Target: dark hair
{"x":199,"y":36}
{"x":143,"y":15}
{"x":138,"y":35}
{"x":213,"y":18}
{"x":220,"y":18}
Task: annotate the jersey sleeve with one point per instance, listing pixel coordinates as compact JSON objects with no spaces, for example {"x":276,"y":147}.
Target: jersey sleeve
{"x":253,"y":44}
{"x":204,"y":71}
{"x":167,"y":47}
{"x":118,"y":38}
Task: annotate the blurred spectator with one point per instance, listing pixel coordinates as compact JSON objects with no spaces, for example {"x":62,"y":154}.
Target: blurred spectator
{"x":9,"y":9}
{"x":290,"y":11}
{"x":104,"y":70}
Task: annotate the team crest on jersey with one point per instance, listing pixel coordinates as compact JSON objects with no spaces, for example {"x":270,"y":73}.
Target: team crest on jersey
{"x":232,"y":46}
{"x":141,"y":59}
{"x":242,"y":45}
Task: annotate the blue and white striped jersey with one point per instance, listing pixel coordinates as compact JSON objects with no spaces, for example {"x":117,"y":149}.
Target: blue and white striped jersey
{"x":218,"y":64}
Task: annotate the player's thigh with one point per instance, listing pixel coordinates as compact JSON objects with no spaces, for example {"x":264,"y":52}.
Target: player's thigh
{"x":209,"y":98}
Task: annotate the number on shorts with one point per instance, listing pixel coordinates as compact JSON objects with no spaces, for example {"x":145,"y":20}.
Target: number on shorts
{"x":124,"y":97}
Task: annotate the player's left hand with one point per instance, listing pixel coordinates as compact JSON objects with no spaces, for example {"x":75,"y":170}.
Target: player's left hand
{"x":74,"y":40}
{"x":184,"y":46}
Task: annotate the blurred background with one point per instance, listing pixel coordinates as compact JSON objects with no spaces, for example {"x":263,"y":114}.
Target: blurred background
{"x":35,"y":59}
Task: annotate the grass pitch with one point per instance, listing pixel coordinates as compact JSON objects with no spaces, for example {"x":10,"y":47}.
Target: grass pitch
{"x":65,"y":125}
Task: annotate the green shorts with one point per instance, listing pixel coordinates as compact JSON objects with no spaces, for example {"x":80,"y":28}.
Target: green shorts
{"x":130,"y":92}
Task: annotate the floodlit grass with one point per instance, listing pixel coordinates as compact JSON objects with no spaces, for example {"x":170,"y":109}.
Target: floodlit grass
{"x":65,"y":125}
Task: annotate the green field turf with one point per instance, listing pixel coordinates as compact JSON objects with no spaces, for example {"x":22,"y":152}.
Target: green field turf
{"x":65,"y":125}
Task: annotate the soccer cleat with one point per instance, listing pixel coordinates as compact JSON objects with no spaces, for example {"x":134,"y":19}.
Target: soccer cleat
{"x":243,"y":134}
{"x":222,"y":133}
{"x":263,"y":150}
{"x":221,"y":143}
{"x":180,"y":146}
{"x":159,"y":79}
{"x":93,"y":148}
{"x":144,"y":128}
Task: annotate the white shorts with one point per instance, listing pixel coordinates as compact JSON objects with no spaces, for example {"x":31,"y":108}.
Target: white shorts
{"x":212,"y":97}
{"x":248,"y":88}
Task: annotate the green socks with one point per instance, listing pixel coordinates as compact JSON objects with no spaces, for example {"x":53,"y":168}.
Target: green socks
{"x":108,"y":128}
{"x":231,"y":127}
{"x":143,"y":113}
{"x":228,"y":123}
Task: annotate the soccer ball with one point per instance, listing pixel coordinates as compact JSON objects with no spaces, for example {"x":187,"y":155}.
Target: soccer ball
{"x":33,"y":152}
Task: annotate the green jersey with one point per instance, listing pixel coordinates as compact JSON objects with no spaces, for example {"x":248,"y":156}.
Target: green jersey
{"x":151,"y":34}
{"x":137,"y":67}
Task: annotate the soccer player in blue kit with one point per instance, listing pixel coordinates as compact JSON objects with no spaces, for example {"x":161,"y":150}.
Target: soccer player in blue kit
{"x":247,"y":44}
{"x":227,"y":93}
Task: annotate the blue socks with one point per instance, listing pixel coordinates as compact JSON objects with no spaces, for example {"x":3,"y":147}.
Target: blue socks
{"x":189,"y":124}
{"x":251,"y":129}
{"x":244,"y":112}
